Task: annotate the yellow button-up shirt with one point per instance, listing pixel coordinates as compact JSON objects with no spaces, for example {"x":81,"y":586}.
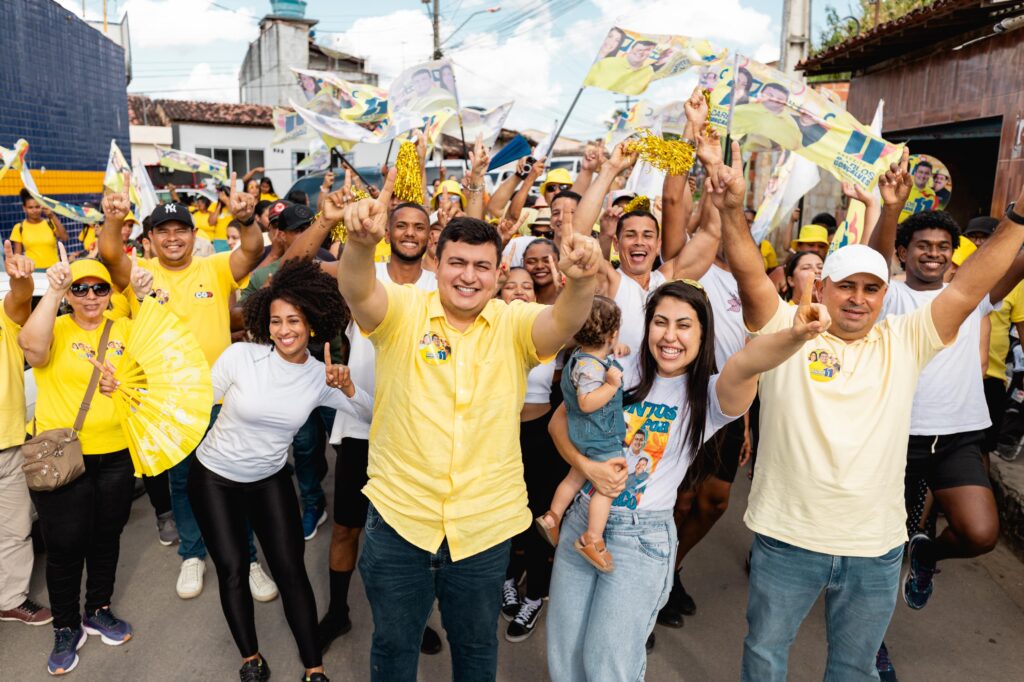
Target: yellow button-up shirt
{"x":444,"y":443}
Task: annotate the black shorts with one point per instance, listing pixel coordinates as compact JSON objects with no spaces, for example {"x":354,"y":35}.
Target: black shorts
{"x":947,"y":461}
{"x":996,"y":395}
{"x":350,"y":504}
{"x":729,"y":443}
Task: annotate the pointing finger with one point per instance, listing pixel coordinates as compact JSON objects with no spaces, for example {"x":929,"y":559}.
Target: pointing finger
{"x":8,"y":249}
{"x":389,"y":187}
{"x":234,"y":177}
{"x":805,"y":299}
{"x":327,"y":355}
{"x":62,"y":252}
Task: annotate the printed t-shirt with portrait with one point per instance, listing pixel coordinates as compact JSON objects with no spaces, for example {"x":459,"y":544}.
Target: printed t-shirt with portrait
{"x":444,"y":460}
{"x":833,"y":444}
{"x":198,"y":295}
{"x":656,"y":452}
{"x":362,"y":360}
{"x":1011,"y":312}
{"x":63,"y":380}
{"x":39,"y":241}
{"x":12,"y":378}
{"x":724,"y":295}
{"x":918,"y":201}
{"x":950,"y":396}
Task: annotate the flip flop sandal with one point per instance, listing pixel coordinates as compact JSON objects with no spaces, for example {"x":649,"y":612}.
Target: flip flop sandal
{"x":596,"y":554}
{"x":550,"y":532}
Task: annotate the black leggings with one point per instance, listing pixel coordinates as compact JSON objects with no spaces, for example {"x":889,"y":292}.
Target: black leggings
{"x":223,"y":509}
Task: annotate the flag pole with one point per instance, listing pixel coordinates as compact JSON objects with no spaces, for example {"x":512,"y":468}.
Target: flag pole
{"x":465,"y":149}
{"x":341,"y":157}
{"x":387,"y":157}
{"x":561,"y":125}
{"x":727,"y":158}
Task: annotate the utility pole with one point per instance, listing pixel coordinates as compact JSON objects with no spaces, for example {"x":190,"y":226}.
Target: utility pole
{"x":796,"y":30}
{"x":437,"y":29}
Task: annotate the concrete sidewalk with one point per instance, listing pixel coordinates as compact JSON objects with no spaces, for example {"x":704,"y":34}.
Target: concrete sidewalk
{"x":973,"y":628}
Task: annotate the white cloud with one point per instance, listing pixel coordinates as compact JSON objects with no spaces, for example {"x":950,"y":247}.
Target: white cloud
{"x":766,"y":53}
{"x":205,"y":85}
{"x":186,"y":23}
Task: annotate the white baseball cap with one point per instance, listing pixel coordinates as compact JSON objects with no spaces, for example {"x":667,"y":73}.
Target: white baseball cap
{"x":855,"y":259}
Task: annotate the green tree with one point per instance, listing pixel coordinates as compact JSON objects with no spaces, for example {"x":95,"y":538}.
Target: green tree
{"x":860,"y":17}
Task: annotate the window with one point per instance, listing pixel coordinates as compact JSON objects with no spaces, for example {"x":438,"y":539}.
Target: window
{"x":239,"y":161}
{"x":297,"y":158}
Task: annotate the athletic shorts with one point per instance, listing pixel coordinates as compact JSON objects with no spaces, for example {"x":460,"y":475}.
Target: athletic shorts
{"x":350,"y":476}
{"x":729,"y":443}
{"x":996,"y":395}
{"x":947,"y":461}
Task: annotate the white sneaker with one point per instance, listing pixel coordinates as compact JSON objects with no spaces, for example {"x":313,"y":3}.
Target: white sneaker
{"x":190,"y":579}
{"x":260,"y":584}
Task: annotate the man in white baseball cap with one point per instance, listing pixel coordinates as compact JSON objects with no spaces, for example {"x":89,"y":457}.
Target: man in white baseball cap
{"x":827,"y":505}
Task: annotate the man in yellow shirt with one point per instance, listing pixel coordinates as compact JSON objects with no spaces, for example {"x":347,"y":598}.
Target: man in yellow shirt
{"x":922,"y":197}
{"x":827,"y":501}
{"x":445,"y":470}
{"x":198,"y":290}
{"x":16,"y":554}
{"x":624,"y":73}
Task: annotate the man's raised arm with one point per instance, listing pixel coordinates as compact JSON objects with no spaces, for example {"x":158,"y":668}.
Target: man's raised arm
{"x":894,"y":186}
{"x":590,"y":205}
{"x":978,"y":275}
{"x":115,"y":207}
{"x":366,"y":222}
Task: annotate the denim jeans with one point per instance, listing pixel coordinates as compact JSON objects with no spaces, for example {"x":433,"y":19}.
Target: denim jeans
{"x":190,"y":538}
{"x":785,"y":582}
{"x":308,"y":453}
{"x":598,"y":623}
{"x":402,"y":582}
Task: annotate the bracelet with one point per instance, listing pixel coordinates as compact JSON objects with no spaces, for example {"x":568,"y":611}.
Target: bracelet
{"x":471,"y":188}
{"x":252,"y":219}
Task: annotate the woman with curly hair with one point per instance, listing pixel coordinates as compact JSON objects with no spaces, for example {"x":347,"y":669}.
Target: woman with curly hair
{"x":240,"y":478}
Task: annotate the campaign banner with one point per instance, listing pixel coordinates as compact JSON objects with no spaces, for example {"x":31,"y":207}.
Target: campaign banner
{"x":792,"y":178}
{"x":318,"y":158}
{"x":476,"y":122}
{"x":82,"y":214}
{"x":356,"y":102}
{"x":148,"y":199}
{"x":628,"y":61}
{"x":426,"y":88}
{"x":789,"y":114}
{"x":117,"y":168}
{"x":14,"y":157}
{"x":175,"y":159}
{"x":288,"y":126}
{"x":334,"y":131}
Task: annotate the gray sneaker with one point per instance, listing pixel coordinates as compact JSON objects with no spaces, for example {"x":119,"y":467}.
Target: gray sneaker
{"x":166,"y":529}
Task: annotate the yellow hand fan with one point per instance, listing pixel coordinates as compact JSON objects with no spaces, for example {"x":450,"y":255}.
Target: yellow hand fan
{"x":164,"y":396}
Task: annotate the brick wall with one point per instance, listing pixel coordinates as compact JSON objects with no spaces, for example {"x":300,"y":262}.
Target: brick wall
{"x":64,"y":90}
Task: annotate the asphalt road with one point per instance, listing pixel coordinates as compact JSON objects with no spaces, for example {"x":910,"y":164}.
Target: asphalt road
{"x":973,"y":628}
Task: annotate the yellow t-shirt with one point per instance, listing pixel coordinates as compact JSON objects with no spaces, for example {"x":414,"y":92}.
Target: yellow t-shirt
{"x":199,"y":296}
{"x":444,"y":442}
{"x":12,"y":378}
{"x":88,"y":237}
{"x":768,"y":255}
{"x":618,"y":75}
{"x":62,"y":383}
{"x":919,"y":201}
{"x":39,"y":241}
{"x":1011,"y":312}
{"x":755,"y":118}
{"x":268,"y":196}
{"x":218,"y":229}
{"x":835,"y":418}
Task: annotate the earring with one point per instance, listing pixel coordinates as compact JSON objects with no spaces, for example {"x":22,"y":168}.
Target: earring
{"x":312,"y":333}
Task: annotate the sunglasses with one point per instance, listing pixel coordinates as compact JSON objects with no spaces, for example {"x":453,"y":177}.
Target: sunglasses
{"x":544,"y":234}
{"x":559,"y":188}
{"x":82,"y":290}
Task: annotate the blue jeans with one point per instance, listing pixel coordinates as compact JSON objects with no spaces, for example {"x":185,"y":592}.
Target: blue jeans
{"x":785,"y":582}
{"x":402,"y":582}
{"x":598,"y":623}
{"x":190,"y":538}
{"x":307,"y":446}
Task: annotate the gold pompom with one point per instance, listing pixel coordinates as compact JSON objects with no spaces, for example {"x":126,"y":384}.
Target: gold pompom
{"x":638,"y":203}
{"x":674,"y":157}
{"x":358,"y":193}
{"x":339,"y":233}
{"x":409,"y":182}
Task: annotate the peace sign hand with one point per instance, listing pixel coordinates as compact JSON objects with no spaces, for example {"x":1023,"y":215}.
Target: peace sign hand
{"x":338,"y":376}
{"x":811,"y":318}
{"x":17,"y":265}
{"x":141,"y":279}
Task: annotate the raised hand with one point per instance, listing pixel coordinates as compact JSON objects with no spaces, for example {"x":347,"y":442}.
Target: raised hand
{"x":59,"y":274}
{"x":367,"y":220}
{"x":509,"y":228}
{"x":854,"y":191}
{"x":610,"y":220}
{"x":557,"y":278}
{"x":338,"y":376}
{"x":115,"y":206}
{"x":479,"y":159}
{"x":725,"y":184}
{"x":333,"y":209}
{"x":445,"y":209}
{"x":621,"y":159}
{"x":328,"y":181}
{"x":593,"y":157}
{"x":420,"y":140}
{"x":141,"y":279}
{"x":811,"y":318}
{"x":243,"y":204}
{"x":895,"y":184}
{"x":503,"y":269}
{"x":709,"y":148}
{"x":17,"y":265}
{"x":580,"y":256}
{"x":696,"y":108}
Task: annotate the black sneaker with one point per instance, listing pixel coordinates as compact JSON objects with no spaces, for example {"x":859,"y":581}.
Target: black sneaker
{"x":315,"y":677}
{"x":670,"y":616}
{"x":650,"y":643}
{"x":330,"y":628}
{"x":256,"y":670}
{"x":431,"y":643}
{"x":522,"y":625}
{"x":683,"y":600}
{"x":509,"y":599}
{"x":886,"y":672}
{"x":918,"y":586}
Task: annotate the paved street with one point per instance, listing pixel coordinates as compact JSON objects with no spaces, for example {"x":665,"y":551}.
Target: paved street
{"x":972,"y":630}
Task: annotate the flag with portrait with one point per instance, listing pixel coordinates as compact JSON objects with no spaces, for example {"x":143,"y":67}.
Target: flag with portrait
{"x":628,"y":61}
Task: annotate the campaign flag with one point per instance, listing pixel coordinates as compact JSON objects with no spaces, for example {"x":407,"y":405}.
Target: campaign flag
{"x":357,"y":102}
{"x":176,"y":159}
{"x":333,"y":130}
{"x":424,"y":89}
{"x":791,"y":115}
{"x":476,"y":122}
{"x":851,"y":230}
{"x":148,"y":199}
{"x":288,"y":126}
{"x":629,"y":61}
{"x":14,"y":157}
{"x":792,"y":178}
{"x":318,"y":158}
{"x":517,"y":148}
{"x":81,"y":214}
{"x":641,"y":115}
{"x":113,"y":178}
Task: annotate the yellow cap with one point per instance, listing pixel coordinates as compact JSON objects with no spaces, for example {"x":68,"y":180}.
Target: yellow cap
{"x":130,"y":218}
{"x":453,"y":187}
{"x":810,"y":234}
{"x":555,"y":176}
{"x":965,"y":249}
{"x":86,"y":267}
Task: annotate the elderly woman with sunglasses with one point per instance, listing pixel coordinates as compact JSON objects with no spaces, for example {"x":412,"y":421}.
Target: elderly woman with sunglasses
{"x":81,"y":521}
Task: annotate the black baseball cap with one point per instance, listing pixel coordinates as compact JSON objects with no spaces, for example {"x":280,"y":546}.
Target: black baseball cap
{"x":275,"y":210}
{"x":165,"y":213}
{"x":983,"y":224}
{"x":295,"y":218}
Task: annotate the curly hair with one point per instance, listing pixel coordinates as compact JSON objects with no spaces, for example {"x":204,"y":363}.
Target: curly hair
{"x":927,"y":220}
{"x":308,"y":288}
{"x":605,"y":318}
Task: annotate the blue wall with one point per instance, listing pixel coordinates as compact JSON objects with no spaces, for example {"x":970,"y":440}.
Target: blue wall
{"x":62,"y":88}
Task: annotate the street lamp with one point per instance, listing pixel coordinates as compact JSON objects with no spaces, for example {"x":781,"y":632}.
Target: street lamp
{"x":489,"y":10}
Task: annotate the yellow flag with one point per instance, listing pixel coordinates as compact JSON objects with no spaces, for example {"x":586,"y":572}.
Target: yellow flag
{"x":629,"y":61}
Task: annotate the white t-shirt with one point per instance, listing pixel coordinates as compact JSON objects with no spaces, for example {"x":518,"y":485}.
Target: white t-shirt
{"x":362,"y":359}
{"x":538,"y":384}
{"x":266,"y":401}
{"x":724,"y":295}
{"x":950,"y":396}
{"x":632,"y":300}
{"x":656,"y":460}
{"x":516,"y":249}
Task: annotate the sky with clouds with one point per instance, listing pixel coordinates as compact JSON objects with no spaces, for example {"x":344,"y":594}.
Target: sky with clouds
{"x":192,"y":49}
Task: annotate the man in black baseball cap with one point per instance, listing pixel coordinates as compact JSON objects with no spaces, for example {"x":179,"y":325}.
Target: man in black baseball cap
{"x":979,"y":229}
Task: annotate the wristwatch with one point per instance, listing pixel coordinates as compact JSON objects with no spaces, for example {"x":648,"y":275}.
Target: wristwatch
{"x":1013,"y":215}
